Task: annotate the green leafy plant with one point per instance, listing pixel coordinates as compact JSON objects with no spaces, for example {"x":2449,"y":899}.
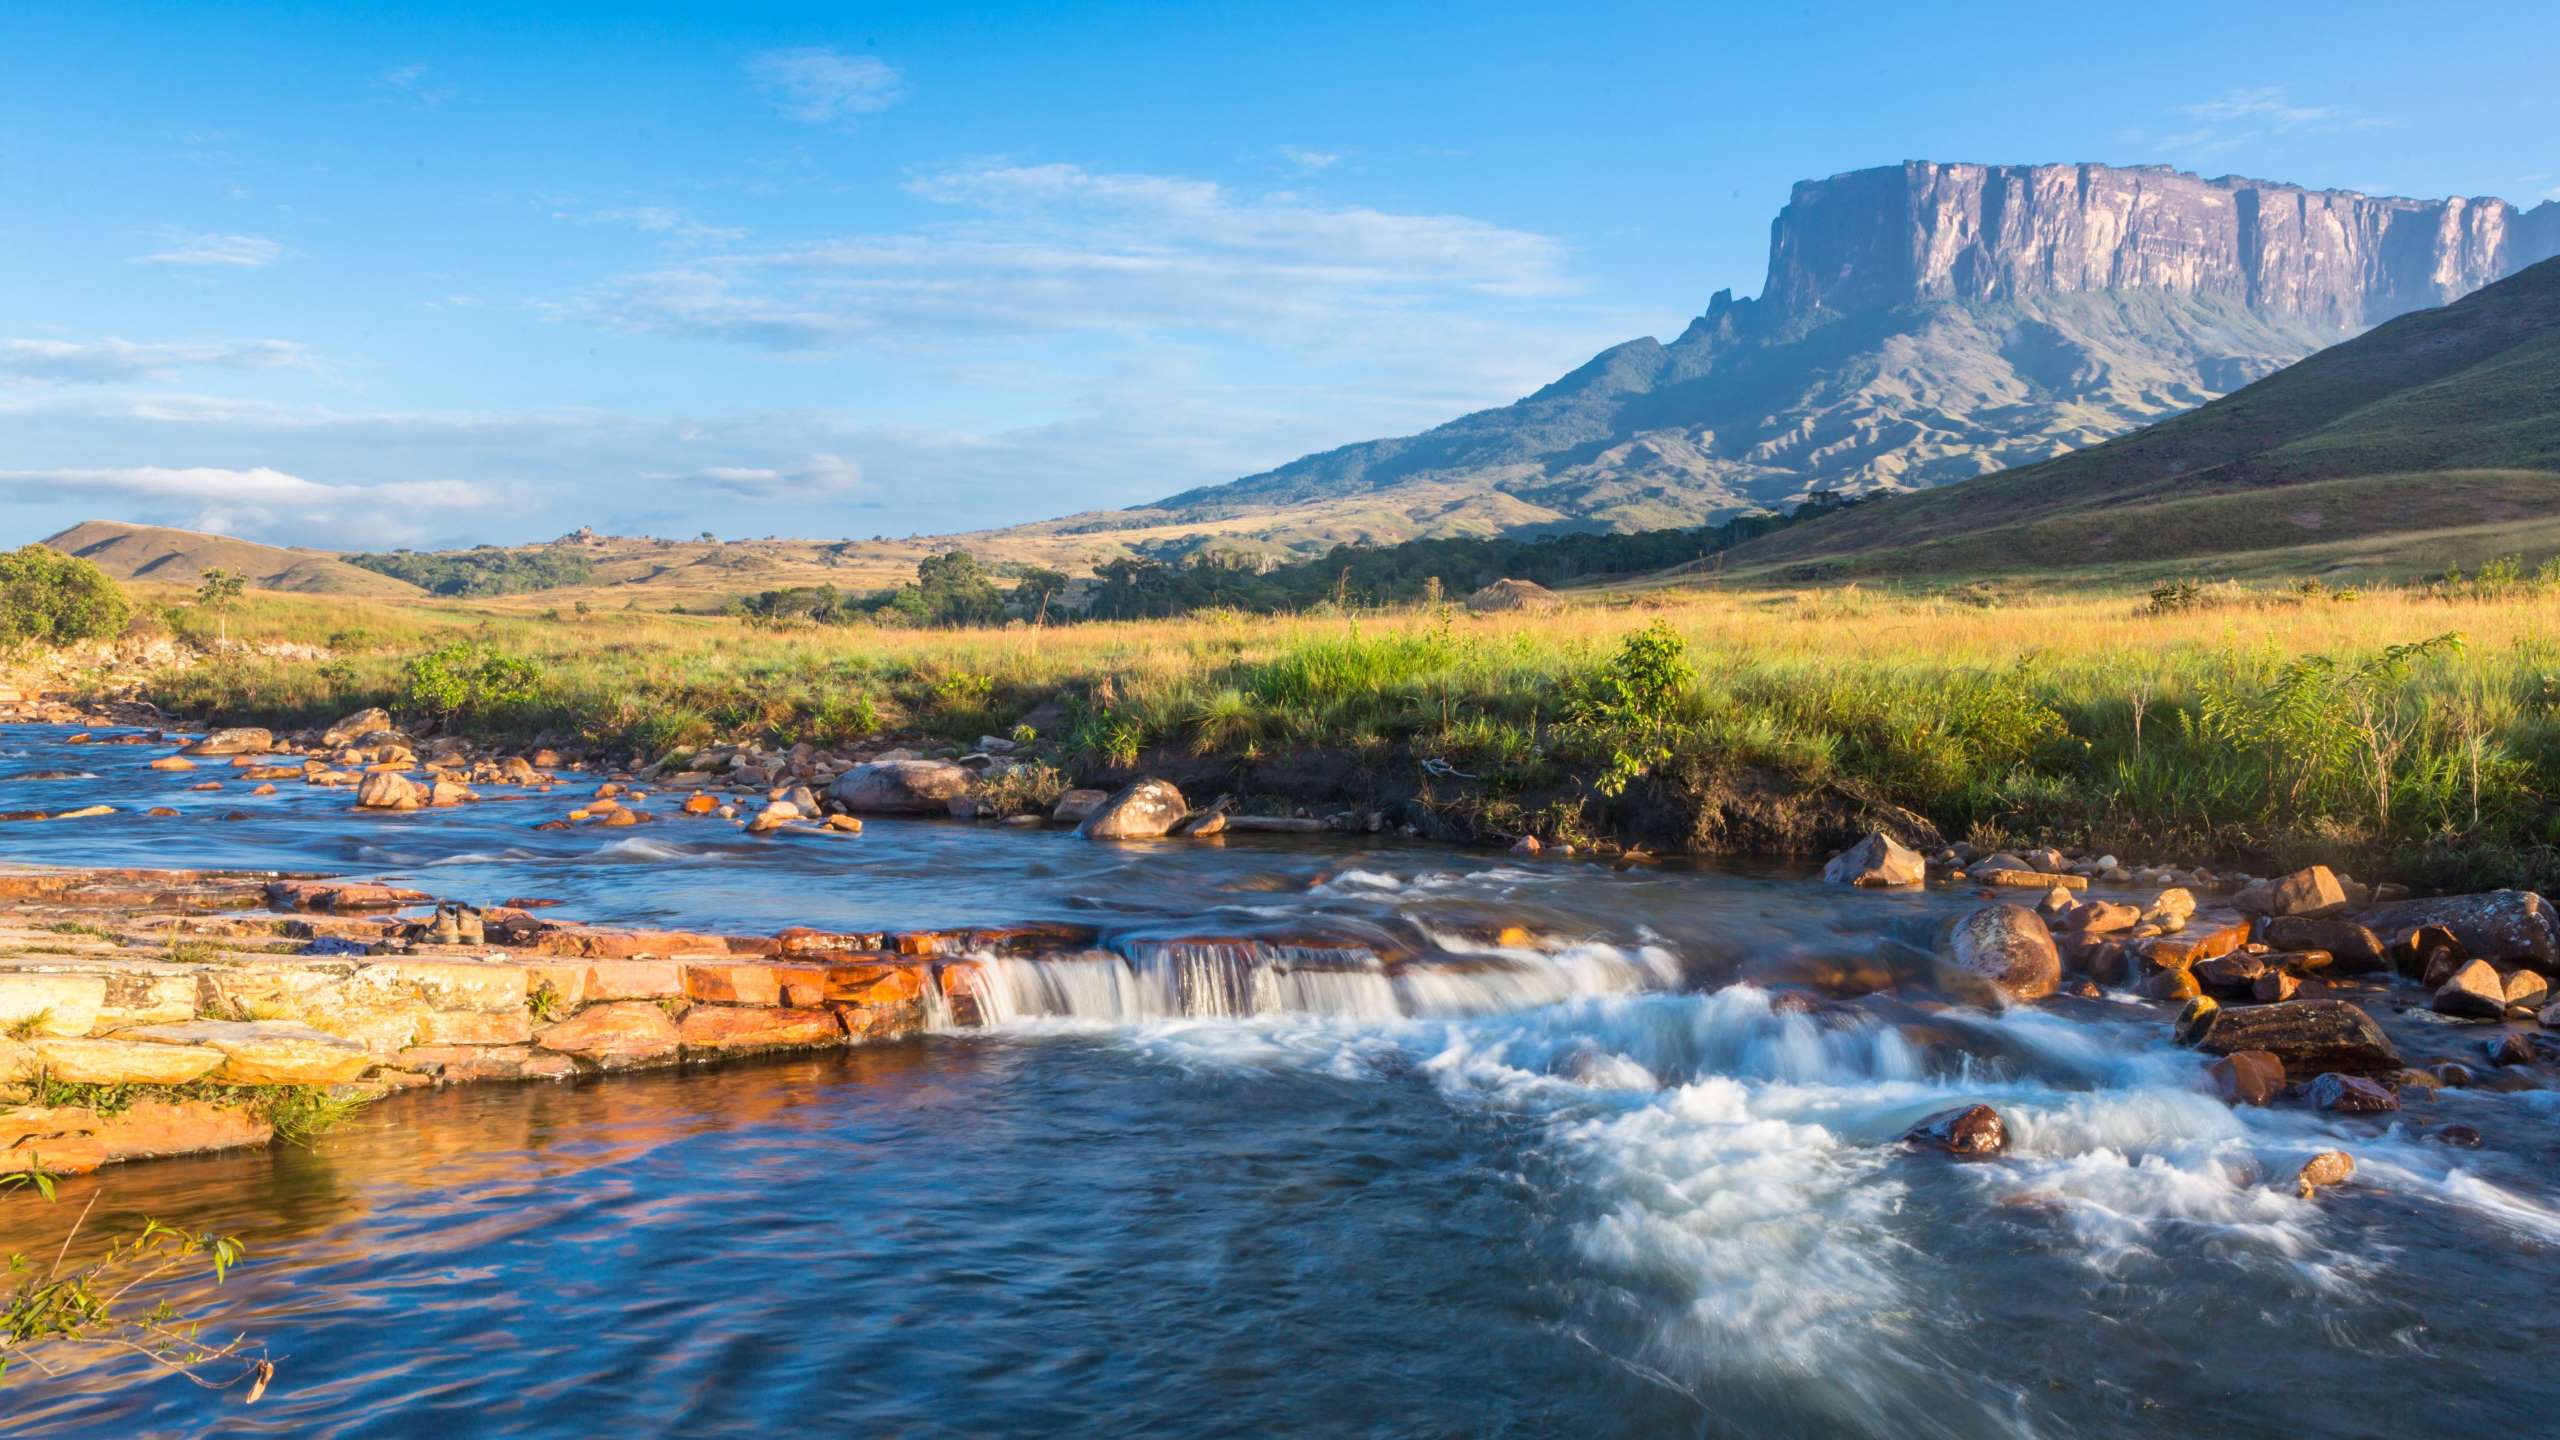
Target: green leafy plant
{"x":49,"y":598}
{"x":468,"y":678}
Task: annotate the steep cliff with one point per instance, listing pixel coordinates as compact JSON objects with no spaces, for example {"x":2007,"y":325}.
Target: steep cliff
{"x":1921,"y":232}
{"x":1922,"y":323}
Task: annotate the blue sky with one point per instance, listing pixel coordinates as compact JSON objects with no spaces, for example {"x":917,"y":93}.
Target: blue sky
{"x":363,"y":277}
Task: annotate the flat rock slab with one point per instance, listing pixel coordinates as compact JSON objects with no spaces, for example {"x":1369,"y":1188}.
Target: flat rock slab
{"x":267,"y":1052}
{"x":126,"y":1062}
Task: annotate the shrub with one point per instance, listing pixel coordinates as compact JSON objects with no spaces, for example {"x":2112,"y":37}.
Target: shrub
{"x":468,"y":678}
{"x":49,"y":598}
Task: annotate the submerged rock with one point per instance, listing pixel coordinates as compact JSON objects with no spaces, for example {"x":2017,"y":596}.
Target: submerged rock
{"x":1878,"y":860}
{"x":893,"y":787}
{"x":1971,"y":1132}
{"x":2247,"y":1077}
{"x":2353,"y":947}
{"x":1075,"y":805}
{"x":1145,"y":810}
{"x":2321,"y":1171}
{"x":246,"y":740}
{"x":2349,"y":1095}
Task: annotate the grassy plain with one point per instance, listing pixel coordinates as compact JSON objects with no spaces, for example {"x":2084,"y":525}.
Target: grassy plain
{"x":2411,"y":732}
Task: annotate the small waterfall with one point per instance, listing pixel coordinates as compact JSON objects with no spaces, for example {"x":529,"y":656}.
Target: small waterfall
{"x":1143,"y":981}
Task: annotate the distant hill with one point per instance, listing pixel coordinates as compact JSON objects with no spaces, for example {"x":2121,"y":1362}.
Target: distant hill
{"x":1921,"y":324}
{"x":2442,"y":421}
{"x":154,"y":553}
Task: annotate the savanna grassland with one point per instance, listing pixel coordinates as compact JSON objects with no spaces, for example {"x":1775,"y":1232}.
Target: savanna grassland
{"x":2411,"y":732}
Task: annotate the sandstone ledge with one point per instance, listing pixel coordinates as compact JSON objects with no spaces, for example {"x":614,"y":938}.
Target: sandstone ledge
{"x":191,"y":989}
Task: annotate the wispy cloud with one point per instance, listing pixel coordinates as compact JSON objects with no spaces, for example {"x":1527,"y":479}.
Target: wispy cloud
{"x":823,"y":86}
{"x":100,"y":361}
{"x":255,"y":501}
{"x":238,"y":252}
{"x":1309,"y":161}
{"x":820,"y":476}
{"x":1058,"y":247}
{"x":409,"y":83}
{"x":668,"y":221}
{"x":2242,"y":117}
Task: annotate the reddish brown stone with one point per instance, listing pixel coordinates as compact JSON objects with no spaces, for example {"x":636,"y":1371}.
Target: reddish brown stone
{"x":2247,"y":1077}
{"x":1973,"y":1132}
{"x":623,"y":1033}
{"x":731,"y":1029}
{"x":2349,"y":1095}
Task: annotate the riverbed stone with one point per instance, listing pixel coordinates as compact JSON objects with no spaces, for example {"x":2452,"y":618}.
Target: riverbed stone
{"x":462,"y":1064}
{"x":608,"y":980}
{"x":735,"y":1029}
{"x":2311,"y":891}
{"x":1998,"y":954}
{"x":267,"y":1052}
{"x":615,"y":1035}
{"x":2309,"y":1036}
{"x":2247,"y":1077}
{"x":472,"y":1027}
{"x":1142,"y":810}
{"x":2348,"y":1095}
{"x":1877,"y":860}
{"x":61,"y":1140}
{"x":1970,"y":1132}
{"x":2473,"y":992}
{"x":241,"y":740}
{"x":387,"y":790}
{"x":125,"y":1062}
{"x":2353,"y":946}
{"x":2322,"y":1171}
{"x":2506,"y":926}
{"x":894,"y":787}
{"x":153,"y":1127}
{"x":357,"y":726}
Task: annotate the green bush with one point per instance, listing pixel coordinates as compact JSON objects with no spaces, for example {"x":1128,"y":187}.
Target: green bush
{"x":469,"y":678}
{"x":49,"y":598}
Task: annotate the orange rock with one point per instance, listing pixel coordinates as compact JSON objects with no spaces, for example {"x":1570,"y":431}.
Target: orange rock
{"x":264,"y":790}
{"x":148,"y":1129}
{"x":730,"y":1029}
{"x":614,"y":1036}
{"x":456,"y":1064}
{"x":633,"y":979}
{"x":207,"y":785}
{"x":700,"y":805}
{"x":622,"y":819}
{"x":173,"y":762}
{"x":733,"y":984}
{"x":874,"y":984}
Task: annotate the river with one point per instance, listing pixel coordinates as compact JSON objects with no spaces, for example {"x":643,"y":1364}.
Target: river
{"x":1224,"y":1174}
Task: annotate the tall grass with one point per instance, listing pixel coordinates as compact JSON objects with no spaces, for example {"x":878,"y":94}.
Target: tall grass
{"x":2256,"y":723}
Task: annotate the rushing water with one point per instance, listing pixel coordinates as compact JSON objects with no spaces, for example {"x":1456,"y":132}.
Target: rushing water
{"x":1307,"y":1143}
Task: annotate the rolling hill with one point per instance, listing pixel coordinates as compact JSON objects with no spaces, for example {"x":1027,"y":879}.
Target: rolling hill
{"x":2441,"y":422}
{"x":152,"y":553}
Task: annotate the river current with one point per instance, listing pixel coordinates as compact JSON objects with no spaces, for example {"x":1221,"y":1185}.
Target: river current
{"x":1611,"y":1155}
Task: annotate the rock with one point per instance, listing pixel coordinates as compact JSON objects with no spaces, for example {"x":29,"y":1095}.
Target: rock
{"x":2232,"y":974}
{"x":386,"y":791}
{"x":2463,"y":1136}
{"x":699,"y":805}
{"x":2247,"y":1077}
{"x":2274,"y":987}
{"x":1997,"y":954}
{"x":2008,"y":879}
{"x":2355,"y":949}
{"x":2454,"y":1076}
{"x":1999,"y":860}
{"x":2511,"y":1049}
{"x":2170,"y":909}
{"x":2104,"y":917}
{"x":246,"y":740}
{"x":734,"y":1029}
{"x":2308,"y":1036}
{"x":1971,"y":1132}
{"x":1526,"y":845}
{"x":2313,"y":891}
{"x":2348,"y":1095}
{"x":2507,"y":926}
{"x":357,"y":726}
{"x":125,"y":1062}
{"x":33,"y":1003}
{"x":2526,"y":988}
{"x":266,"y":1052}
{"x":2195,"y":1020}
{"x":1144,"y":810}
{"x":2321,"y":1171}
{"x":1075,"y":805}
{"x":615,"y":1035}
{"x":457,"y":1064}
{"x":1878,"y":860}
{"x":901,"y":787}
{"x":173,"y":762}
{"x":845,"y":824}
{"x":149,"y":1129}
{"x":2472,"y":992}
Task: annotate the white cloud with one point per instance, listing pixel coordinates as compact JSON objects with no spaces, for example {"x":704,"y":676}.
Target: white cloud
{"x":817,"y":477}
{"x":1057,"y":247}
{"x":1310,"y":161}
{"x":668,"y":221}
{"x":242,"y":252}
{"x":823,"y":86}
{"x":2237,"y":118}
{"x":100,"y":361}
{"x":255,"y":502}
{"x":2265,"y":105}
{"x":409,"y":83}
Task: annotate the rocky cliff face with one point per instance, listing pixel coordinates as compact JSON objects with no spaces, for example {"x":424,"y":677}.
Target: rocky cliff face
{"x":1922,"y":232}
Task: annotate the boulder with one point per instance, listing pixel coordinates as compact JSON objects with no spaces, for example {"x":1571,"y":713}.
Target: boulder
{"x":2275,"y":986}
{"x":2353,"y":947}
{"x":1075,"y":805}
{"x":386,"y":791}
{"x":1969,"y":1132}
{"x":1997,"y":954}
{"x":2502,"y":925}
{"x":2309,"y":1036}
{"x":2348,"y":1095}
{"x":1877,"y":860}
{"x":901,"y":787}
{"x":1144,"y":810}
{"x":615,"y":1035}
{"x":125,"y":1062}
{"x":2526,"y":988}
{"x":2170,"y":910}
{"x":266,"y":1052}
{"x":2104,"y":917}
{"x":357,"y":726}
{"x":2329,"y":1167}
{"x":150,"y":1129}
{"x":2233,"y":974}
{"x":2313,"y":891}
{"x":246,"y":740}
{"x":2472,"y":992}
{"x":2247,"y":1077}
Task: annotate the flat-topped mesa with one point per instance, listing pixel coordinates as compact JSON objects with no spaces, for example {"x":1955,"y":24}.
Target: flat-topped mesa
{"x":1922,"y":231}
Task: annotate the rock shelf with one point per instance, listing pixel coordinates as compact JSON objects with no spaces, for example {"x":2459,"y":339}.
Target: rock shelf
{"x":148,"y":1012}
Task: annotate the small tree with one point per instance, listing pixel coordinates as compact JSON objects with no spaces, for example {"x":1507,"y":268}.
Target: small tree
{"x":218,"y":592}
{"x":49,"y":598}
